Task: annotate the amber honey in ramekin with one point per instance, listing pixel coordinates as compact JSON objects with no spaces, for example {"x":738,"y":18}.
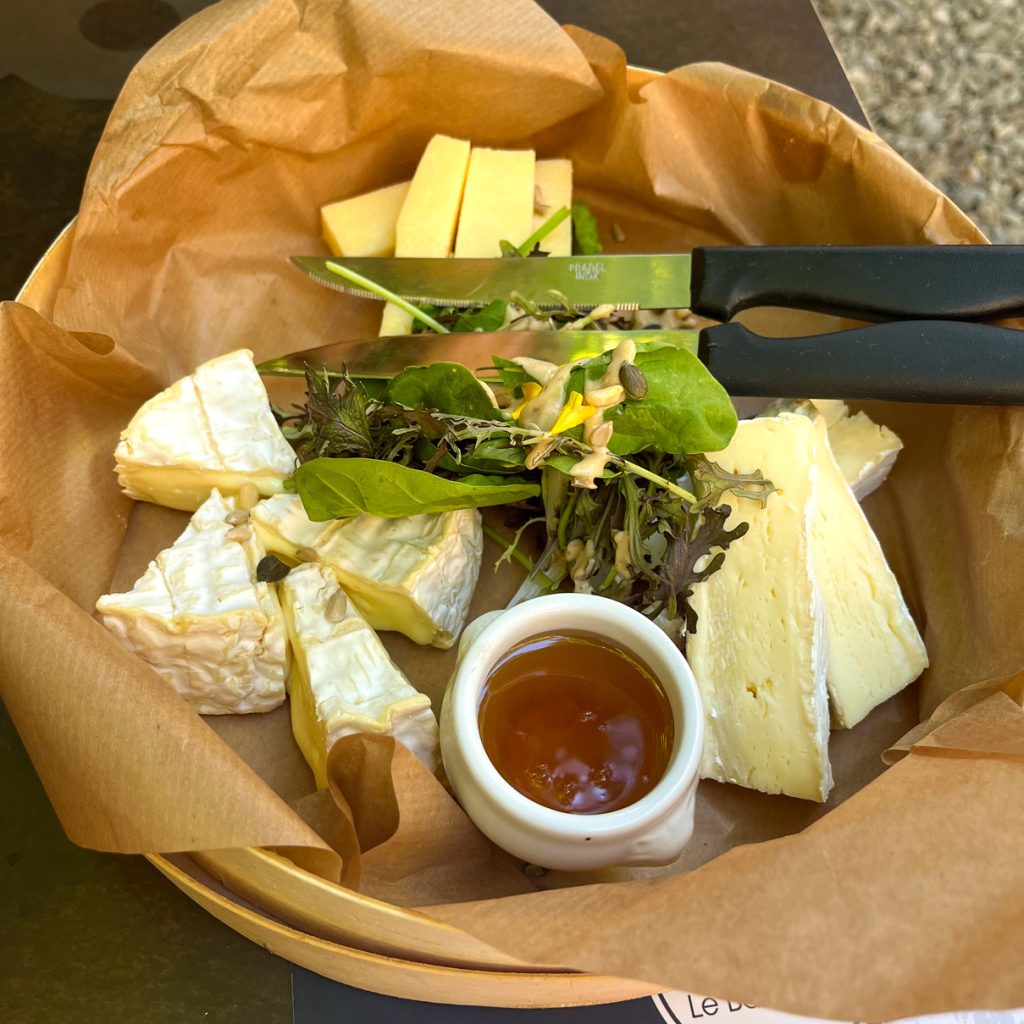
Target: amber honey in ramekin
{"x":576,"y":723}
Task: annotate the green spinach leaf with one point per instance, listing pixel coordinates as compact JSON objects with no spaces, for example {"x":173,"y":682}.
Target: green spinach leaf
{"x":444,"y":387}
{"x":686,"y":410}
{"x":338,"y":488}
{"x":488,"y":318}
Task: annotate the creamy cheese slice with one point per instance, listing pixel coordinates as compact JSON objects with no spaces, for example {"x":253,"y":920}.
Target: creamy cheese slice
{"x":429,"y":214}
{"x":213,"y":429}
{"x":364,"y":225}
{"x":874,"y":648}
{"x":343,"y":680}
{"x":200,"y":619}
{"x":760,"y":651}
{"x":552,"y":189}
{"x":498,"y":201}
{"x":414,"y":575}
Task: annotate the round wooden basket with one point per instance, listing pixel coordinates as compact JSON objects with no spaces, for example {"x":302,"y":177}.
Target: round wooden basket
{"x":338,"y":932}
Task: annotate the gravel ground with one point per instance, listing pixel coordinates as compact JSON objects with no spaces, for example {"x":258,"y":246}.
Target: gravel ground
{"x":943,"y":83}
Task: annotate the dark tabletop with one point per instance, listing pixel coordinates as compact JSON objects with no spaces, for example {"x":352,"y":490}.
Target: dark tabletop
{"x":94,"y":937}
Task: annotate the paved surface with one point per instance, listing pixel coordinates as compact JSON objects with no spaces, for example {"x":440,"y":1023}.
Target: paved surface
{"x":943,"y":83}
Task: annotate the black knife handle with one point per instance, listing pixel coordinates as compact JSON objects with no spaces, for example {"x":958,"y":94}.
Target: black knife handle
{"x":885,"y":282}
{"x":903,"y":361}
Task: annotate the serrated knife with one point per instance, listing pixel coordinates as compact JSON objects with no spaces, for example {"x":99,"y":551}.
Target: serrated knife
{"x":910,"y":360}
{"x":935,"y":282}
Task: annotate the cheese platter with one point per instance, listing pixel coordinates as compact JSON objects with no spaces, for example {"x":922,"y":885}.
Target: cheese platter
{"x":861,"y":446}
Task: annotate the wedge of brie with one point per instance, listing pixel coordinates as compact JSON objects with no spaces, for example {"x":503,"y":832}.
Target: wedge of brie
{"x":760,"y":652}
{"x":865,"y":451}
{"x":342,"y":679}
{"x":213,"y":429}
{"x":414,"y":575}
{"x":200,"y":619}
{"x":874,"y":648}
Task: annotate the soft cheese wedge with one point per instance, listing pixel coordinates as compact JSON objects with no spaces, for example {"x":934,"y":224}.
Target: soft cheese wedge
{"x":760,"y":652}
{"x":342,"y":679}
{"x":414,"y":575}
{"x":364,"y":225}
{"x":200,"y":619}
{"x":874,"y":648}
{"x":426,"y":223}
{"x":213,"y":429}
{"x":866,"y":451}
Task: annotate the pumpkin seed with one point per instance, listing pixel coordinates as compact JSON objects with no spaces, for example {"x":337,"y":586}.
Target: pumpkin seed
{"x":633,"y":381}
{"x":270,"y":569}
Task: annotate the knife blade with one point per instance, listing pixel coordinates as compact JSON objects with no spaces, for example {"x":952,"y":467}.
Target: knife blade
{"x":382,"y":358}
{"x":909,"y":360}
{"x":624,"y":281}
{"x":948,"y":282}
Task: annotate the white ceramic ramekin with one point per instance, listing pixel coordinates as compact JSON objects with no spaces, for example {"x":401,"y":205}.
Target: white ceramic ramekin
{"x":653,"y":830}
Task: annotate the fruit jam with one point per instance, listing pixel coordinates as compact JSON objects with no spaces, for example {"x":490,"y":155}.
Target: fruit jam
{"x":576,"y":723}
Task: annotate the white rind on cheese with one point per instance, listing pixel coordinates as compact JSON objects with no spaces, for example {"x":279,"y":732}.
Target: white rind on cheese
{"x":865,"y":451}
{"x":364,"y":225}
{"x":414,"y":575}
{"x":760,"y":651}
{"x":203,"y":623}
{"x":343,"y":680}
{"x":426,"y":224}
{"x":213,"y":429}
{"x":497,"y":203}
{"x":875,"y":649}
{"x":552,"y":189}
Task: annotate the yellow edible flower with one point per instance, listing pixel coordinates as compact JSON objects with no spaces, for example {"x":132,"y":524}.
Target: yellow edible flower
{"x":530,"y":391}
{"x":573,"y":413}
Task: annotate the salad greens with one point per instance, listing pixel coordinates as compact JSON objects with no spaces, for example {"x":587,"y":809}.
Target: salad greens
{"x":630,"y":507}
{"x":644,"y":523}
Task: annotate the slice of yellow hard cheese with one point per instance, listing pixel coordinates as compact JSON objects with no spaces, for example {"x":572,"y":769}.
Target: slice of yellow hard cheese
{"x":498,"y":203}
{"x":364,"y":225}
{"x":552,"y":189}
{"x":426,"y":223}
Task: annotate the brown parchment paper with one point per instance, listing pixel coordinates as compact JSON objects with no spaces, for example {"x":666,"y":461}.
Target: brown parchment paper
{"x":896,"y":897}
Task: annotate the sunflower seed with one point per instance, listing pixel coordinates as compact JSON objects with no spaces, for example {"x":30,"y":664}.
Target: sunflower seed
{"x":305,"y":554}
{"x":238,"y":517}
{"x":336,"y":607}
{"x":239,"y":533}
